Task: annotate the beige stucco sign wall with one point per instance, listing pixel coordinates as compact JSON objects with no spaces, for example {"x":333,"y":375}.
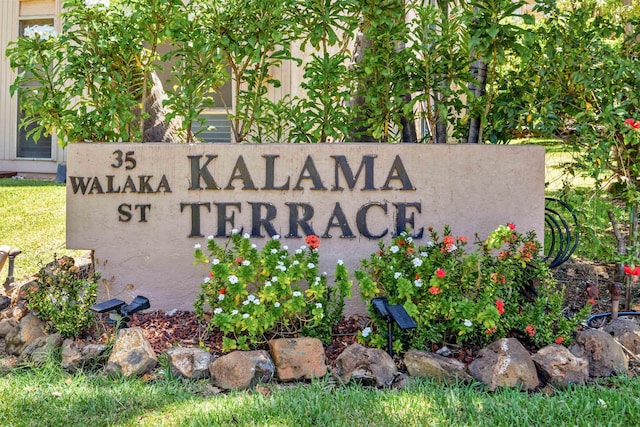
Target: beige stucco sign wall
{"x":143,"y":207}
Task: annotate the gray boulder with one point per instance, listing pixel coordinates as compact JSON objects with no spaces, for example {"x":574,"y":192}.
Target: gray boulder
{"x":28,"y":329}
{"x":242,"y":370}
{"x":505,"y":363}
{"x":626,"y":332}
{"x":431,"y":365}
{"x":605,"y":356}
{"x":561,"y":368}
{"x":189,"y":362}
{"x":369,"y":366}
{"x":132,"y":354}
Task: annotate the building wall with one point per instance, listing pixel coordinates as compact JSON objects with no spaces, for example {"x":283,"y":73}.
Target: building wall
{"x":11,"y":12}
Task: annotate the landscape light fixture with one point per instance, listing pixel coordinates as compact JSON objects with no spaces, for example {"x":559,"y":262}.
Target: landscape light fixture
{"x":392,"y":314}
{"x":119,"y":312}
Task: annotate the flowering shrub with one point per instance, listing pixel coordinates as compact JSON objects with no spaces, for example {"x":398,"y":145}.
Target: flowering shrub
{"x":503,"y":288}
{"x":255,"y":294}
{"x":62,"y":295}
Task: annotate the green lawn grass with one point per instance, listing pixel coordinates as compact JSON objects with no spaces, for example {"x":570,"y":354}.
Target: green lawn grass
{"x":51,"y":397}
{"x":32,"y":219}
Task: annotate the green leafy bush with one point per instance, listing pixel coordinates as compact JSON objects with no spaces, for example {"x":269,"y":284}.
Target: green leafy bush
{"x":504,"y":288}
{"x":63,"y":295}
{"x":254,"y":294}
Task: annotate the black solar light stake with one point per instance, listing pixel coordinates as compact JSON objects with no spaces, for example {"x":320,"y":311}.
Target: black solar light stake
{"x":119,"y":313}
{"x":392,"y":314}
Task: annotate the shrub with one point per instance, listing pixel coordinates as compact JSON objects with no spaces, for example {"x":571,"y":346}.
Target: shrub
{"x":253,"y":295}
{"x":62,"y":296}
{"x":503,"y":288}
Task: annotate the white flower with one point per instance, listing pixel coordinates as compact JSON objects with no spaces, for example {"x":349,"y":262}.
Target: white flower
{"x":234,"y":312}
{"x":217,"y":311}
{"x":296,"y":262}
{"x":409,"y":239}
{"x":417,"y":262}
{"x":303,"y":247}
{"x":340,"y":262}
{"x":274,"y":279}
{"x":318,"y":305}
{"x":298,"y":251}
{"x":285,"y":247}
{"x":275,"y":237}
{"x":318,"y":279}
{"x":245,"y":316}
{"x":281,"y":268}
{"x":245,"y":302}
{"x":207,"y":279}
{"x":394,"y":249}
{"x":191,"y":16}
{"x":215,"y":261}
{"x":267,"y":283}
{"x":235,"y":231}
{"x":253,"y":246}
{"x":430,"y":243}
{"x":251,"y":297}
{"x":366,"y":331}
{"x":468,"y":323}
{"x":246,"y":235}
{"x":274,"y":251}
{"x":127,"y":11}
{"x":311,"y":265}
{"x":297,"y":294}
{"x":42,"y":31}
{"x":256,"y":302}
{"x":276,"y":304}
{"x":233,"y":279}
{"x":324,"y":273}
{"x":210,"y":237}
{"x":424,"y":254}
{"x":197,"y":246}
{"x":220,"y":297}
{"x":246,"y":262}
{"x":96,"y":3}
{"x":397,"y":275}
{"x":418,"y":283}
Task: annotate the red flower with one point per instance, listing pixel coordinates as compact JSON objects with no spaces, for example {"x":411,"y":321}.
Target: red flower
{"x":559,"y":340}
{"x":631,"y":271}
{"x":417,"y":276}
{"x":530,"y":329}
{"x":313,"y":241}
{"x":211,"y":274}
{"x":500,"y":306}
{"x":434,"y":290}
{"x":223,"y":291}
{"x":462,"y":239}
{"x":440,"y":273}
{"x":634,"y":124}
{"x":591,"y":302}
{"x":449,"y":240}
{"x":511,"y":226}
{"x":400,"y":242}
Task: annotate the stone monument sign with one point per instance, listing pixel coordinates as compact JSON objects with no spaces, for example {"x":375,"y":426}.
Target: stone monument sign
{"x":143,"y":207}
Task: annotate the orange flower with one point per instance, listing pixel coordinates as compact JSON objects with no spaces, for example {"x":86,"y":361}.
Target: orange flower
{"x":449,"y":240}
{"x":462,"y":239}
{"x":313,"y":241}
{"x":530,"y":329}
{"x":434,"y":290}
{"x":559,"y":340}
